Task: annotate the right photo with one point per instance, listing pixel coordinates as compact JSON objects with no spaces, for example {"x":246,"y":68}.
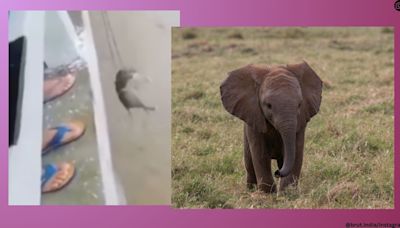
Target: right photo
{"x":290,"y":117}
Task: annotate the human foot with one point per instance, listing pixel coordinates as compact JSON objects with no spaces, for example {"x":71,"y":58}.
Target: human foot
{"x":61,"y":135}
{"x":56,"y":176}
{"x":57,"y":86}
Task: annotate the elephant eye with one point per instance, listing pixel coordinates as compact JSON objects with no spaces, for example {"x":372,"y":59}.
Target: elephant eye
{"x":269,"y":106}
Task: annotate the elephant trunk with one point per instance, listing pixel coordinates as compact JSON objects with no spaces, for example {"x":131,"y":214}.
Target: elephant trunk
{"x":287,"y":129}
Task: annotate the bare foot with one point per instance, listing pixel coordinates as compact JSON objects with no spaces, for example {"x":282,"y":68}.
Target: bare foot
{"x":57,"y":86}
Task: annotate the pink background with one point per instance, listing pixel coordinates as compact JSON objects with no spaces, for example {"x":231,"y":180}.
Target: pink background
{"x":203,"y":13}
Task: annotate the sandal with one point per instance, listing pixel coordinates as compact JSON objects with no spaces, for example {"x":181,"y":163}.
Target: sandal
{"x":57,"y":86}
{"x":56,"y":176}
{"x":61,"y":135}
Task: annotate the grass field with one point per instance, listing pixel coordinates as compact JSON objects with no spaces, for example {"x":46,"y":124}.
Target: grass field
{"x":348,"y":155}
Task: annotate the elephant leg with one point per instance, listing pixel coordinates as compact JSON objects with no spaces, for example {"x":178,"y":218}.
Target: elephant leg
{"x":248,"y":163}
{"x":295,"y":175}
{"x":261,"y":161}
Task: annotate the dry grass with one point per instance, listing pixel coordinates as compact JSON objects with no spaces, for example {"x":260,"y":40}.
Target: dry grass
{"x":348,"y":160}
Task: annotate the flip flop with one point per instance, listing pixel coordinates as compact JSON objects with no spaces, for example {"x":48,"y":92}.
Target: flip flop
{"x":56,"y":176}
{"x":56,"y":86}
{"x":64,"y":134}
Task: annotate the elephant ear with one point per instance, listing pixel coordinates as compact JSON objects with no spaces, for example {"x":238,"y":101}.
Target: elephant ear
{"x":311,"y":88}
{"x":240,"y":95}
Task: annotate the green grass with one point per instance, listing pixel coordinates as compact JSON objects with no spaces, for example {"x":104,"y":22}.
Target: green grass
{"x":348,"y":156}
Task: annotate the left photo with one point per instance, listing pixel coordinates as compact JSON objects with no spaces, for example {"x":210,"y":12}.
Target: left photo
{"x":90,"y":107}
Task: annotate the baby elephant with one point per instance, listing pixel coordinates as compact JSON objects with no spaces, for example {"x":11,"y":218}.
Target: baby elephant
{"x":275,"y":103}
{"x":127,"y":97}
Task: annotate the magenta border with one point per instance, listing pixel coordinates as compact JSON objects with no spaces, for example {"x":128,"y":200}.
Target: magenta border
{"x":204,"y":13}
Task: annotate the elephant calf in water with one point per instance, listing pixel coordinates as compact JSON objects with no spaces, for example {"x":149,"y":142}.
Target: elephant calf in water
{"x":127,"y":97}
{"x":275,"y":103}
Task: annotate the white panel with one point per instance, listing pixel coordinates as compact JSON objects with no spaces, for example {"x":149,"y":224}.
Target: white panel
{"x":25,"y":158}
